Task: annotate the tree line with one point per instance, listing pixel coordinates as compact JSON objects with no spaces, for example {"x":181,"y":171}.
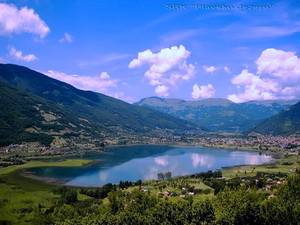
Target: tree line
{"x":230,"y":206}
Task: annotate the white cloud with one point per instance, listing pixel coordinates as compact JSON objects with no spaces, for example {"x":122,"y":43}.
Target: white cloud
{"x":102,"y":83}
{"x":162,"y":90}
{"x":278,"y":76}
{"x":16,"y":21}
{"x":204,"y":91}
{"x":213,"y":69}
{"x":67,"y":38}
{"x":166,"y":67}
{"x":255,"y":88}
{"x":122,"y":96}
{"x":17,"y":54}
{"x":279,"y":63}
{"x":226,"y":69}
{"x":99,"y":83}
{"x":209,"y":69}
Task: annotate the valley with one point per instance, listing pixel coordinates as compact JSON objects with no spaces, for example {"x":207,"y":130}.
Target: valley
{"x":62,"y":148}
{"x":149,"y":112}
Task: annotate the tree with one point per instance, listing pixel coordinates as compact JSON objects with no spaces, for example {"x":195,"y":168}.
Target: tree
{"x":203,"y":213}
{"x":69,"y":197}
{"x":237,"y":207}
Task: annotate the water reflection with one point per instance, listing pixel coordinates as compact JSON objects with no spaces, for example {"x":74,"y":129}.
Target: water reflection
{"x":199,"y":160}
{"x":250,"y":158}
{"x":145,"y":162}
{"x":161,"y":161}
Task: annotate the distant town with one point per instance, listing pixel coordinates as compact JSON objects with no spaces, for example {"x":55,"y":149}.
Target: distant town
{"x":12,"y":154}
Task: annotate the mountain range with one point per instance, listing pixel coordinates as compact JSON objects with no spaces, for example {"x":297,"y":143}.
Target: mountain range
{"x":35,"y":107}
{"x":219,"y":115}
{"x":284,"y":123}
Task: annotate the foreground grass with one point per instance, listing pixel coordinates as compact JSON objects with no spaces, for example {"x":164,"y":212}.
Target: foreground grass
{"x":21,"y":196}
{"x":287,"y":164}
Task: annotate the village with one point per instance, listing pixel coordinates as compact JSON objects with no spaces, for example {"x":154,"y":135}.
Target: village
{"x":18,"y":153}
{"x":206,"y":183}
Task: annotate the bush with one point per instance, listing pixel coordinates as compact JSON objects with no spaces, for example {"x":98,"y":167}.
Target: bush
{"x":70,"y":197}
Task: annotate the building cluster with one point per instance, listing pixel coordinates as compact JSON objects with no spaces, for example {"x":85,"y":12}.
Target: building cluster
{"x":256,"y":142}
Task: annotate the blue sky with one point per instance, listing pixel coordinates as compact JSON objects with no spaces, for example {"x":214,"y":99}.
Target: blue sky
{"x":135,"y":49}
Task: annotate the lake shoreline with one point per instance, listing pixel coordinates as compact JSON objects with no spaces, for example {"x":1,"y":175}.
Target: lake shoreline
{"x":58,"y":181}
{"x":269,"y":152}
{"x":47,"y":180}
{"x":274,"y":155}
{"x":61,"y":182}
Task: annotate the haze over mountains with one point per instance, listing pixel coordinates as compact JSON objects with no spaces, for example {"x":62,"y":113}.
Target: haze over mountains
{"x":37,"y":107}
{"x":219,"y":115}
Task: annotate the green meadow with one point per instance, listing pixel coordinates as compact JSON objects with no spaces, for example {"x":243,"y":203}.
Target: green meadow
{"x":21,"y":196}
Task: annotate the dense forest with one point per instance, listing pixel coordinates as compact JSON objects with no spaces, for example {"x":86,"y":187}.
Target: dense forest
{"x":231,"y":206}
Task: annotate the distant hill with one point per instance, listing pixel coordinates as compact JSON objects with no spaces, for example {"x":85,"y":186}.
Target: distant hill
{"x":284,"y":123}
{"x":35,"y":106}
{"x":218,"y":114}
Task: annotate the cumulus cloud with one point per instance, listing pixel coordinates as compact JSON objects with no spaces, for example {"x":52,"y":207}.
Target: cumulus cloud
{"x":209,"y":69}
{"x":204,"y":91}
{"x":17,"y":54}
{"x":279,"y":63}
{"x":67,"y":38}
{"x":162,"y":90}
{"x":16,"y":21}
{"x":255,"y":88}
{"x":99,"y":83}
{"x":166,"y":67}
{"x":277,"y":77}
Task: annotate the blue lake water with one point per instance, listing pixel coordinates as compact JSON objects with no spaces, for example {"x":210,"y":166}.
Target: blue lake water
{"x":145,"y":162}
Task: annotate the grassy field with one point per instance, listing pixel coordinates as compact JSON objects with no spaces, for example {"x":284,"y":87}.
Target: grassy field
{"x":287,"y":164}
{"x":33,"y":164}
{"x":20,"y":196}
{"x":172,"y":185}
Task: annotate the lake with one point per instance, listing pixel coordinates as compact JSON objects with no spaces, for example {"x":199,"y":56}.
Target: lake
{"x":145,"y":162}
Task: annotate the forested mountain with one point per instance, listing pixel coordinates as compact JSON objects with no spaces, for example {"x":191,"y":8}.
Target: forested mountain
{"x":220,"y":115}
{"x":284,"y":123}
{"x":35,"y":105}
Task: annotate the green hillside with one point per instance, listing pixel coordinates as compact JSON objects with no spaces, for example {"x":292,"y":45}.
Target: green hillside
{"x":218,"y":114}
{"x":284,"y":123}
{"x":39,"y":105}
{"x":25,"y":117}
